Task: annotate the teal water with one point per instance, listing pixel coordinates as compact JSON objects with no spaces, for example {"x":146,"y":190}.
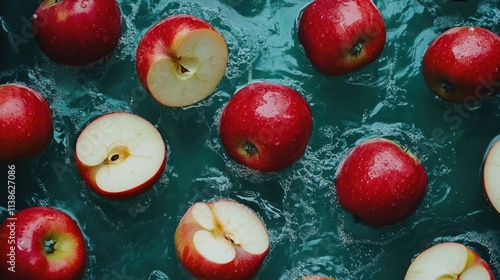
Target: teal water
{"x":309,"y":231}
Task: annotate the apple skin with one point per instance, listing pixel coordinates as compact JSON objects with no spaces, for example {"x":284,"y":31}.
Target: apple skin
{"x":243,"y":267}
{"x":77,"y":32}
{"x":88,"y":175}
{"x":266,"y":126}
{"x":462,"y":63}
{"x":34,"y":226}
{"x":380,"y":182}
{"x":341,"y":36}
{"x":26,"y":122}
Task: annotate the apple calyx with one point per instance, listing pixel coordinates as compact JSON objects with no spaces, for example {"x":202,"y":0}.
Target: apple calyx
{"x":49,"y":246}
{"x":249,"y":149}
{"x":357,"y":48}
{"x":448,"y":87}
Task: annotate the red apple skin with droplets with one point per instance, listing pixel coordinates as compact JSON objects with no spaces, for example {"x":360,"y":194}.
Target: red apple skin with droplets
{"x":26,"y":126}
{"x":273,"y":118}
{"x":34,"y":226}
{"x":380,"y":182}
{"x":341,"y":36}
{"x":77,"y":32}
{"x":468,"y":59}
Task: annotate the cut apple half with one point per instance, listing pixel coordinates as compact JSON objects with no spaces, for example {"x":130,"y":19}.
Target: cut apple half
{"x":225,"y":226}
{"x":491,"y":174}
{"x":120,"y":155}
{"x":181,"y":60}
{"x":449,"y":260}
{"x":222,"y":239}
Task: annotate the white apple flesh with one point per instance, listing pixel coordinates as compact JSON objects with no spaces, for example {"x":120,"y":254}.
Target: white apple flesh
{"x":221,"y":240}
{"x":181,"y":60}
{"x":491,"y":175}
{"x":449,"y":260}
{"x":120,"y":155}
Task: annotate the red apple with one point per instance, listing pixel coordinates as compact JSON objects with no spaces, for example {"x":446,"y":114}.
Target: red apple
{"x":181,"y":60}
{"x":449,"y":260}
{"x":462,"y":64}
{"x":120,"y":155}
{"x":380,"y":182}
{"x":222,"y":239}
{"x":41,"y":243}
{"x":77,"y":32}
{"x":25,"y":122}
{"x":341,"y":36}
{"x":491,"y":174}
{"x":266,"y":126}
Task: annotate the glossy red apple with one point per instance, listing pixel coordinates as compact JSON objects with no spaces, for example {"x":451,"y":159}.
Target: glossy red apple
{"x":222,"y":239}
{"x":449,"y":260}
{"x":26,"y":127}
{"x":462,"y":65}
{"x":120,"y":155}
{"x":380,"y":182}
{"x":77,"y":32}
{"x":341,"y":36}
{"x":41,"y":243}
{"x":266,"y":126}
{"x":181,"y":60}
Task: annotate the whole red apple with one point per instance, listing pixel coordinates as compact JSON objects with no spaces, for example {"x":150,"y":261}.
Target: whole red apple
{"x":462,"y":64}
{"x":25,"y":122}
{"x":341,"y":36}
{"x":380,"y":182}
{"x":41,"y":243}
{"x":266,"y":126}
{"x":77,"y":32}
{"x":181,"y":59}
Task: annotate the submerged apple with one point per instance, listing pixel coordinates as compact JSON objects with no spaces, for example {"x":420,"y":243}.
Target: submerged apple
{"x":77,"y":32}
{"x":181,"y":60}
{"x":41,"y":243}
{"x":341,"y":36}
{"x":120,"y":155}
{"x":222,"y":239}
{"x":266,"y":126}
{"x":449,"y":260}
{"x":380,"y":182}
{"x":462,"y":65}
{"x":26,"y":126}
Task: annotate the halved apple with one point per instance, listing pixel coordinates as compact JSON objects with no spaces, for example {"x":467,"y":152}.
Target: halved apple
{"x":181,"y":60}
{"x":222,"y":239}
{"x":449,"y":260}
{"x":491,"y":174}
{"x":120,"y":155}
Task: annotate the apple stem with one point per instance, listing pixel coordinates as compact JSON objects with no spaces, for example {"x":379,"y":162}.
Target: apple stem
{"x":357,"y":48}
{"x":48,"y":246}
{"x":250,"y":148}
{"x":448,"y":87}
